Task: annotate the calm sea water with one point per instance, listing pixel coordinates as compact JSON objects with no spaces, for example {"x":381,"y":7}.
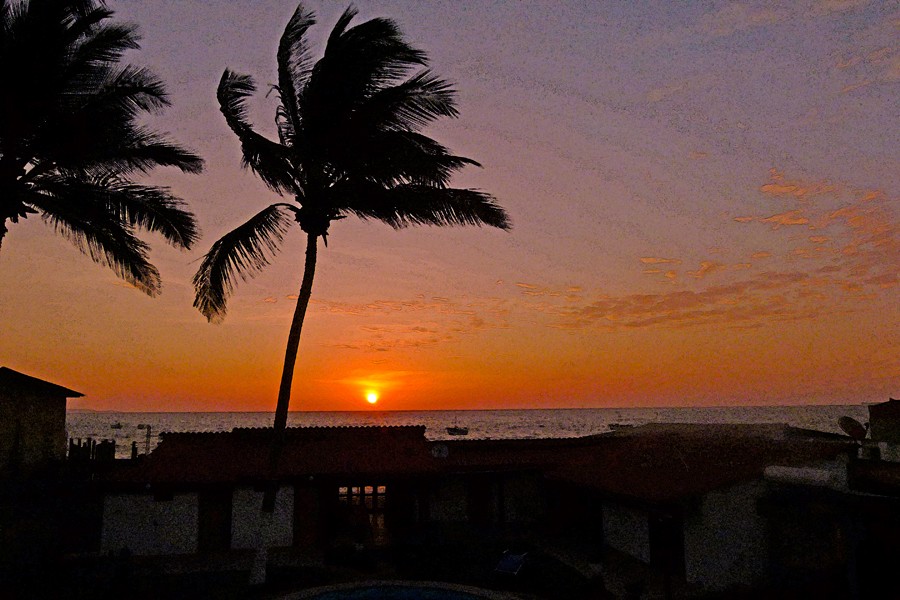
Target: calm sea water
{"x":125,"y":427}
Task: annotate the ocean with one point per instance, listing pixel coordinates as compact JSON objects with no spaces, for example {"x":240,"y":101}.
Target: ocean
{"x":144,"y":428}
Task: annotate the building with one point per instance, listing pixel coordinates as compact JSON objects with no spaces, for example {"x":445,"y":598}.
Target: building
{"x":32,"y":422}
{"x":202,"y":492}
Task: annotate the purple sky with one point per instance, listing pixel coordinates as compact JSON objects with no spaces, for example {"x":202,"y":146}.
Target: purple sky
{"x":704,"y":199}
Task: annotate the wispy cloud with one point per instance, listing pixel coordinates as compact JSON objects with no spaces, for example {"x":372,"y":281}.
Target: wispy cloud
{"x":386,"y":325}
{"x":706,"y":267}
{"x":851,"y":258}
{"x":750,"y":303}
{"x":791,"y":217}
{"x":735,"y":17}
{"x":856,"y":229}
{"x":779,"y":186}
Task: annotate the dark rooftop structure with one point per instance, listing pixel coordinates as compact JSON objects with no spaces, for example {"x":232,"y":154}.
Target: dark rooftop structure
{"x":668,"y":462}
{"x":15,"y":383}
{"x":884,"y":421}
{"x":242,"y":455}
{"x":32,"y":422}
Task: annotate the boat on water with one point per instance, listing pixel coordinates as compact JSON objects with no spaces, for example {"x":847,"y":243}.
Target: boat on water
{"x":618,"y":426}
{"x":116,"y":425}
{"x":457,"y":430}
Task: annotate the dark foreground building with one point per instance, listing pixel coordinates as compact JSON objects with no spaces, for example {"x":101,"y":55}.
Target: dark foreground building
{"x":700,"y":507}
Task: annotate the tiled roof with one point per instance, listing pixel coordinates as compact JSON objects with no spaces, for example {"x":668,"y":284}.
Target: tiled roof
{"x":14,"y":381}
{"x":668,"y":462}
{"x":243,"y":454}
{"x":652,"y":464}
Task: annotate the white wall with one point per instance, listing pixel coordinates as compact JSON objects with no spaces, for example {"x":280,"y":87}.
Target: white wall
{"x":627,"y":530}
{"x":245,"y":523}
{"x":725,"y":540}
{"x":147,"y":526}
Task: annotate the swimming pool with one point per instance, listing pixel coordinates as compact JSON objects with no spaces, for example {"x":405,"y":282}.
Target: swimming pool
{"x":390,"y":592}
{"x":397,"y":591}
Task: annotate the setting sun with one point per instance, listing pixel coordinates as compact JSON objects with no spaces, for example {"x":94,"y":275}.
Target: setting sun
{"x":371,"y":397}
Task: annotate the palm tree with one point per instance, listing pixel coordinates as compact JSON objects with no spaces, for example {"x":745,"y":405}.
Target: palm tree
{"x":349,"y":144}
{"x":69,"y":141}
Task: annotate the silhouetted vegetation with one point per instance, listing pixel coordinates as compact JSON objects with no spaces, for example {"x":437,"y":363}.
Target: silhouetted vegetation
{"x":350,"y":143}
{"x":69,"y":140}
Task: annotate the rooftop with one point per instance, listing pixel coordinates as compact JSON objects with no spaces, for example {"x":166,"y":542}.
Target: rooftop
{"x":666,"y":462}
{"x":13,"y":381}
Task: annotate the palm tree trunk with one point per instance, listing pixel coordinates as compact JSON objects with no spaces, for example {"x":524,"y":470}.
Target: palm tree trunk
{"x":287,"y":374}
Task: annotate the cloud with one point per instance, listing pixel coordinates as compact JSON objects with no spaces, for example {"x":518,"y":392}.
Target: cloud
{"x":270,"y":300}
{"x":386,"y":325}
{"x":852,"y":258}
{"x":778,"y":186}
{"x":735,"y":17}
{"x":791,"y":217}
{"x":650,"y":260}
{"x":857,"y":230}
{"x":867,"y":65}
{"x":855,"y":86}
{"x":831,"y":6}
{"x":706,"y":267}
{"x":529,"y":289}
{"x":661,"y":93}
{"x":751,"y":302}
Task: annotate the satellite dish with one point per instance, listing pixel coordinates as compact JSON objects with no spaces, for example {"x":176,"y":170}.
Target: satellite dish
{"x":852,"y":427}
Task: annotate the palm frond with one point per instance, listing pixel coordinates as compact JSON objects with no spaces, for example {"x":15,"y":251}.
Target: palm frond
{"x":395,"y":157}
{"x":105,"y":46}
{"x":269,"y":160}
{"x":408,"y":106}
{"x":138,"y":206}
{"x":341,"y":26}
{"x":294,"y":67}
{"x":93,"y":126}
{"x":356,"y":64}
{"x":240,"y":253}
{"x":374,"y":52}
{"x":106,"y":239}
{"x":412,"y":204}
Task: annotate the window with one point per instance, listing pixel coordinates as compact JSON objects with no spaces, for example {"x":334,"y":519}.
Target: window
{"x":366,"y":504}
{"x":372,"y":497}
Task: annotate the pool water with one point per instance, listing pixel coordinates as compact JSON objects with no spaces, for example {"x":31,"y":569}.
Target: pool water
{"x":395,"y":592}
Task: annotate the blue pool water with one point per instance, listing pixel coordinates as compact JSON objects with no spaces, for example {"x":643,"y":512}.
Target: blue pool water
{"x":393,"y":592}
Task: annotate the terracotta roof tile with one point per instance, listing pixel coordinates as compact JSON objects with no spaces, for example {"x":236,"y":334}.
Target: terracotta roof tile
{"x":242,"y":454}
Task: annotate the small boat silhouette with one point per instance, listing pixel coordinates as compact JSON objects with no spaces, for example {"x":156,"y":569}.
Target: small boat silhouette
{"x":456,"y":430}
{"x":116,"y":425}
{"x":618,"y":426}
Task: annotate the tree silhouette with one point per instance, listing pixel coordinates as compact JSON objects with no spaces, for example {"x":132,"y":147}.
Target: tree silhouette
{"x":350,"y":143}
{"x":69,"y":140}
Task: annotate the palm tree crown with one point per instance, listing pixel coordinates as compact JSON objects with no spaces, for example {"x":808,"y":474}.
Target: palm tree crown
{"x":69,"y":140}
{"x":349,"y":143}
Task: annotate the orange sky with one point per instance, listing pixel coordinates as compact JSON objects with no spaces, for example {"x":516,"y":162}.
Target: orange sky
{"x":704,"y":206}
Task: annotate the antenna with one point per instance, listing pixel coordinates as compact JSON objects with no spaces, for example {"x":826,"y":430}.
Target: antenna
{"x":852,"y":427}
